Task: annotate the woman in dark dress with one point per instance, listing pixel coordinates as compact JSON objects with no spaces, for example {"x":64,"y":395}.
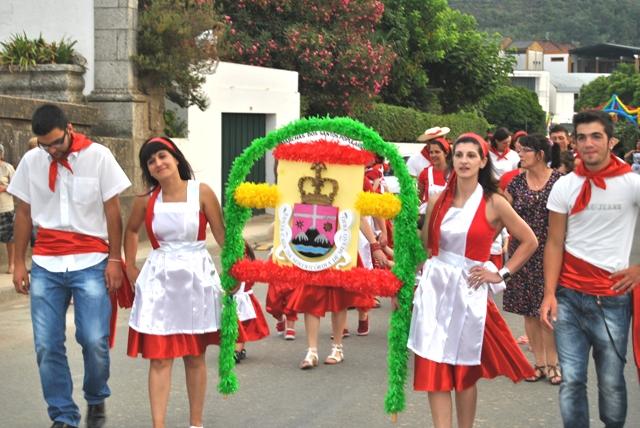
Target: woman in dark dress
{"x":528,"y":193}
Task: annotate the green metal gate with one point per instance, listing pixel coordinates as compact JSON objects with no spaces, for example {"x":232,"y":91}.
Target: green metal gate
{"x":238,"y":131}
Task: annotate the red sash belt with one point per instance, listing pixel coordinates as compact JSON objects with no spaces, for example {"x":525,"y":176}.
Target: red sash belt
{"x":51,"y":242}
{"x":582,"y":276}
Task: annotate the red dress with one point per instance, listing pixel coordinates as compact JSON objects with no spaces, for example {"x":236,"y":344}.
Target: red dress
{"x":499,"y":353}
{"x":252,"y":329}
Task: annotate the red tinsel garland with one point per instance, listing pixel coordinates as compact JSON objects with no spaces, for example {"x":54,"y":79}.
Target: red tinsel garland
{"x":377,"y":282}
{"x":323,"y":151}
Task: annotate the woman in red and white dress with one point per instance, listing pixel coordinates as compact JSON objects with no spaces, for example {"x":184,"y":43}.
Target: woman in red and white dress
{"x":176,"y":312}
{"x":457,"y":333}
{"x":433,"y":179}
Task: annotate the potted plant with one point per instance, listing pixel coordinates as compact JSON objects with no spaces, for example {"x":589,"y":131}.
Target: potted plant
{"x":35,"y":68}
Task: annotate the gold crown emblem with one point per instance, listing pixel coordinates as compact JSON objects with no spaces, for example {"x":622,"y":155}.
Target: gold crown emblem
{"x":324,"y":189}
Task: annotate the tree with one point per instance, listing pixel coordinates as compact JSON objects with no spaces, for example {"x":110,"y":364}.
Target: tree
{"x":514,"y":108}
{"x":419,"y":32}
{"x":177,"y":46}
{"x":624,"y":81}
{"x":471,"y":68}
{"x":332,"y":44}
{"x":440,"y":51}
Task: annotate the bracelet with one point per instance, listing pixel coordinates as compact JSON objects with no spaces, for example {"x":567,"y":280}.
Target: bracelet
{"x":115,"y":260}
{"x":375,"y":246}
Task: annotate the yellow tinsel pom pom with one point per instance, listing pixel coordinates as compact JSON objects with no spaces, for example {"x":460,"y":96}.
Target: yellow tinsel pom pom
{"x":253,"y":195}
{"x":385,"y":205}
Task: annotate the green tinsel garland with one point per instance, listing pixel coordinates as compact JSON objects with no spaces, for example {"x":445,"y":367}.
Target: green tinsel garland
{"x":408,"y":250}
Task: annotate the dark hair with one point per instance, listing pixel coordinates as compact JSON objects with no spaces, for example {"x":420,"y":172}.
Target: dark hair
{"x":499,"y":135}
{"x":590,"y":116}
{"x":566,"y":159}
{"x":486,"y":178}
{"x":48,"y":117}
{"x":149,"y":148}
{"x":540,"y":143}
{"x":558,"y":128}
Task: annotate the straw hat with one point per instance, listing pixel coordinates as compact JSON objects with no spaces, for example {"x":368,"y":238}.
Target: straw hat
{"x":432,"y":133}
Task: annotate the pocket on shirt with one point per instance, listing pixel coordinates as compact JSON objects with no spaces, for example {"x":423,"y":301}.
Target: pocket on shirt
{"x":86,"y":190}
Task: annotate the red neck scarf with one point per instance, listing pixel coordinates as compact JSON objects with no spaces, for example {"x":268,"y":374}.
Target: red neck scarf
{"x":499,"y":155}
{"x":615,"y":168}
{"x":78,"y":142}
{"x":440,"y":209}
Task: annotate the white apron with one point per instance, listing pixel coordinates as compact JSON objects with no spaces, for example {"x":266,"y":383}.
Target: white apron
{"x":244,"y":305}
{"x":447,"y":324}
{"x":432,"y":190}
{"x":178,"y":290}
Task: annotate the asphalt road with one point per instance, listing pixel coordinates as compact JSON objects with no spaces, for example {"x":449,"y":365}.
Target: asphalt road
{"x":273,"y":391}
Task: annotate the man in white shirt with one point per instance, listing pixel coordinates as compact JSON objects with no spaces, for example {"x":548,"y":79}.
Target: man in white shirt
{"x":69,"y":188}
{"x":587,"y":278}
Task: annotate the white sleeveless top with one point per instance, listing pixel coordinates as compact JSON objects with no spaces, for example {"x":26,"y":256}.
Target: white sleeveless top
{"x":178,"y":290}
{"x":447,"y":323}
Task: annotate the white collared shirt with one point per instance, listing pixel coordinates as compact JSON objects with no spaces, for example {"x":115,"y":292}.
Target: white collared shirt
{"x":77,"y":205}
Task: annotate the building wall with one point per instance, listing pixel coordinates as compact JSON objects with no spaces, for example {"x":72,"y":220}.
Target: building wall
{"x":556,"y":66}
{"x":235,"y":88}
{"x":564,"y":107}
{"x":71,"y":19}
{"x":542,"y":85}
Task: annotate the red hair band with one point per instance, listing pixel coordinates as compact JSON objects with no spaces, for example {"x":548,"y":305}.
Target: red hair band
{"x":162,"y":141}
{"x":443,"y":142}
{"x":484,"y":146}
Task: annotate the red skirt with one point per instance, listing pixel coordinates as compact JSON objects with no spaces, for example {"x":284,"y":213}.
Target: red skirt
{"x":501,"y":356}
{"x":155,"y":346}
{"x":253,"y":329}
{"x":276,"y":303}
{"x":317,"y":300}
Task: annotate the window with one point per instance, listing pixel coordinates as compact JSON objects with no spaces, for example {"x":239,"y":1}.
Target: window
{"x":557,"y":59}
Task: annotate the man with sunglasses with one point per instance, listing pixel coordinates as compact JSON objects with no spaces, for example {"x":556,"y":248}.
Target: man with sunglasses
{"x":68,"y":186}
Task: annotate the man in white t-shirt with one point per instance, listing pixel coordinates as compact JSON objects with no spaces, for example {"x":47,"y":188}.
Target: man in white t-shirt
{"x":592,"y":216}
{"x":418,"y":162}
{"x":69,"y":188}
{"x":503,"y":158}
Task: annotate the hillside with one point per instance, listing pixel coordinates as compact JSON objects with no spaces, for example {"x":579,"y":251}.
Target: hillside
{"x":578,"y":21}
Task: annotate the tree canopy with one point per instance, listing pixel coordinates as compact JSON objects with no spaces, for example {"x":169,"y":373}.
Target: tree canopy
{"x":582,"y":22}
{"x":514,"y":108}
{"x":332,"y":44}
{"x":624,"y":82}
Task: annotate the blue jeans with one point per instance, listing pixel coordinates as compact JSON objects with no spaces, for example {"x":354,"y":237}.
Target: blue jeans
{"x":580,"y":326}
{"x":50,"y":295}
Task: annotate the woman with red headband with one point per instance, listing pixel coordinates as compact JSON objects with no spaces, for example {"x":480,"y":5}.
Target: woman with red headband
{"x":433,"y":179}
{"x":457,"y":333}
{"x":176,"y":312}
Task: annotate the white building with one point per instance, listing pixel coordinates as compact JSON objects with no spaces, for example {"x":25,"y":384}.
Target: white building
{"x":565,"y":89}
{"x":246,"y":102}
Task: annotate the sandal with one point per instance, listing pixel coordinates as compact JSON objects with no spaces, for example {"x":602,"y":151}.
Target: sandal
{"x":310,"y":360}
{"x":554,"y":375}
{"x":336,"y":356}
{"x":539,"y":374}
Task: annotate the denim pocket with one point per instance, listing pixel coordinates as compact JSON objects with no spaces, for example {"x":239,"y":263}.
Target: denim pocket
{"x":615,"y":301}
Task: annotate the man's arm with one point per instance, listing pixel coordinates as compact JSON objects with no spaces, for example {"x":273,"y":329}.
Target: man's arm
{"x":552,"y":263}
{"x":113,"y":272}
{"x":21,"y":236}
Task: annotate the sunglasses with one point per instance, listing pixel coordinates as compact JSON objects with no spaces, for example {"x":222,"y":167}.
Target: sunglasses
{"x":53,"y":144}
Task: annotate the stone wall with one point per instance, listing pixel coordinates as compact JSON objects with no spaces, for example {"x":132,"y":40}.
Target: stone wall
{"x":15,"y":122}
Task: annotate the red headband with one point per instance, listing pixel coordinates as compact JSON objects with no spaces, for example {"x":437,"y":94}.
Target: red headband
{"x":443,"y":142}
{"x":484,"y":146}
{"x":162,"y":141}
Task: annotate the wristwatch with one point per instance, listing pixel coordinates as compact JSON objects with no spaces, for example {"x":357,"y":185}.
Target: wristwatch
{"x":505,"y":274}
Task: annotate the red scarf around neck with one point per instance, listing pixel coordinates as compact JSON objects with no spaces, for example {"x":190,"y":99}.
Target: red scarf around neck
{"x":440,"y":209}
{"x":502,"y":155}
{"x":78,"y":142}
{"x":615,"y":168}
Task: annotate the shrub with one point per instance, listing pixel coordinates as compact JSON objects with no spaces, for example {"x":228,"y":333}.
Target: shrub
{"x":515,"y":108}
{"x":22,"y":52}
{"x":402,"y":124}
